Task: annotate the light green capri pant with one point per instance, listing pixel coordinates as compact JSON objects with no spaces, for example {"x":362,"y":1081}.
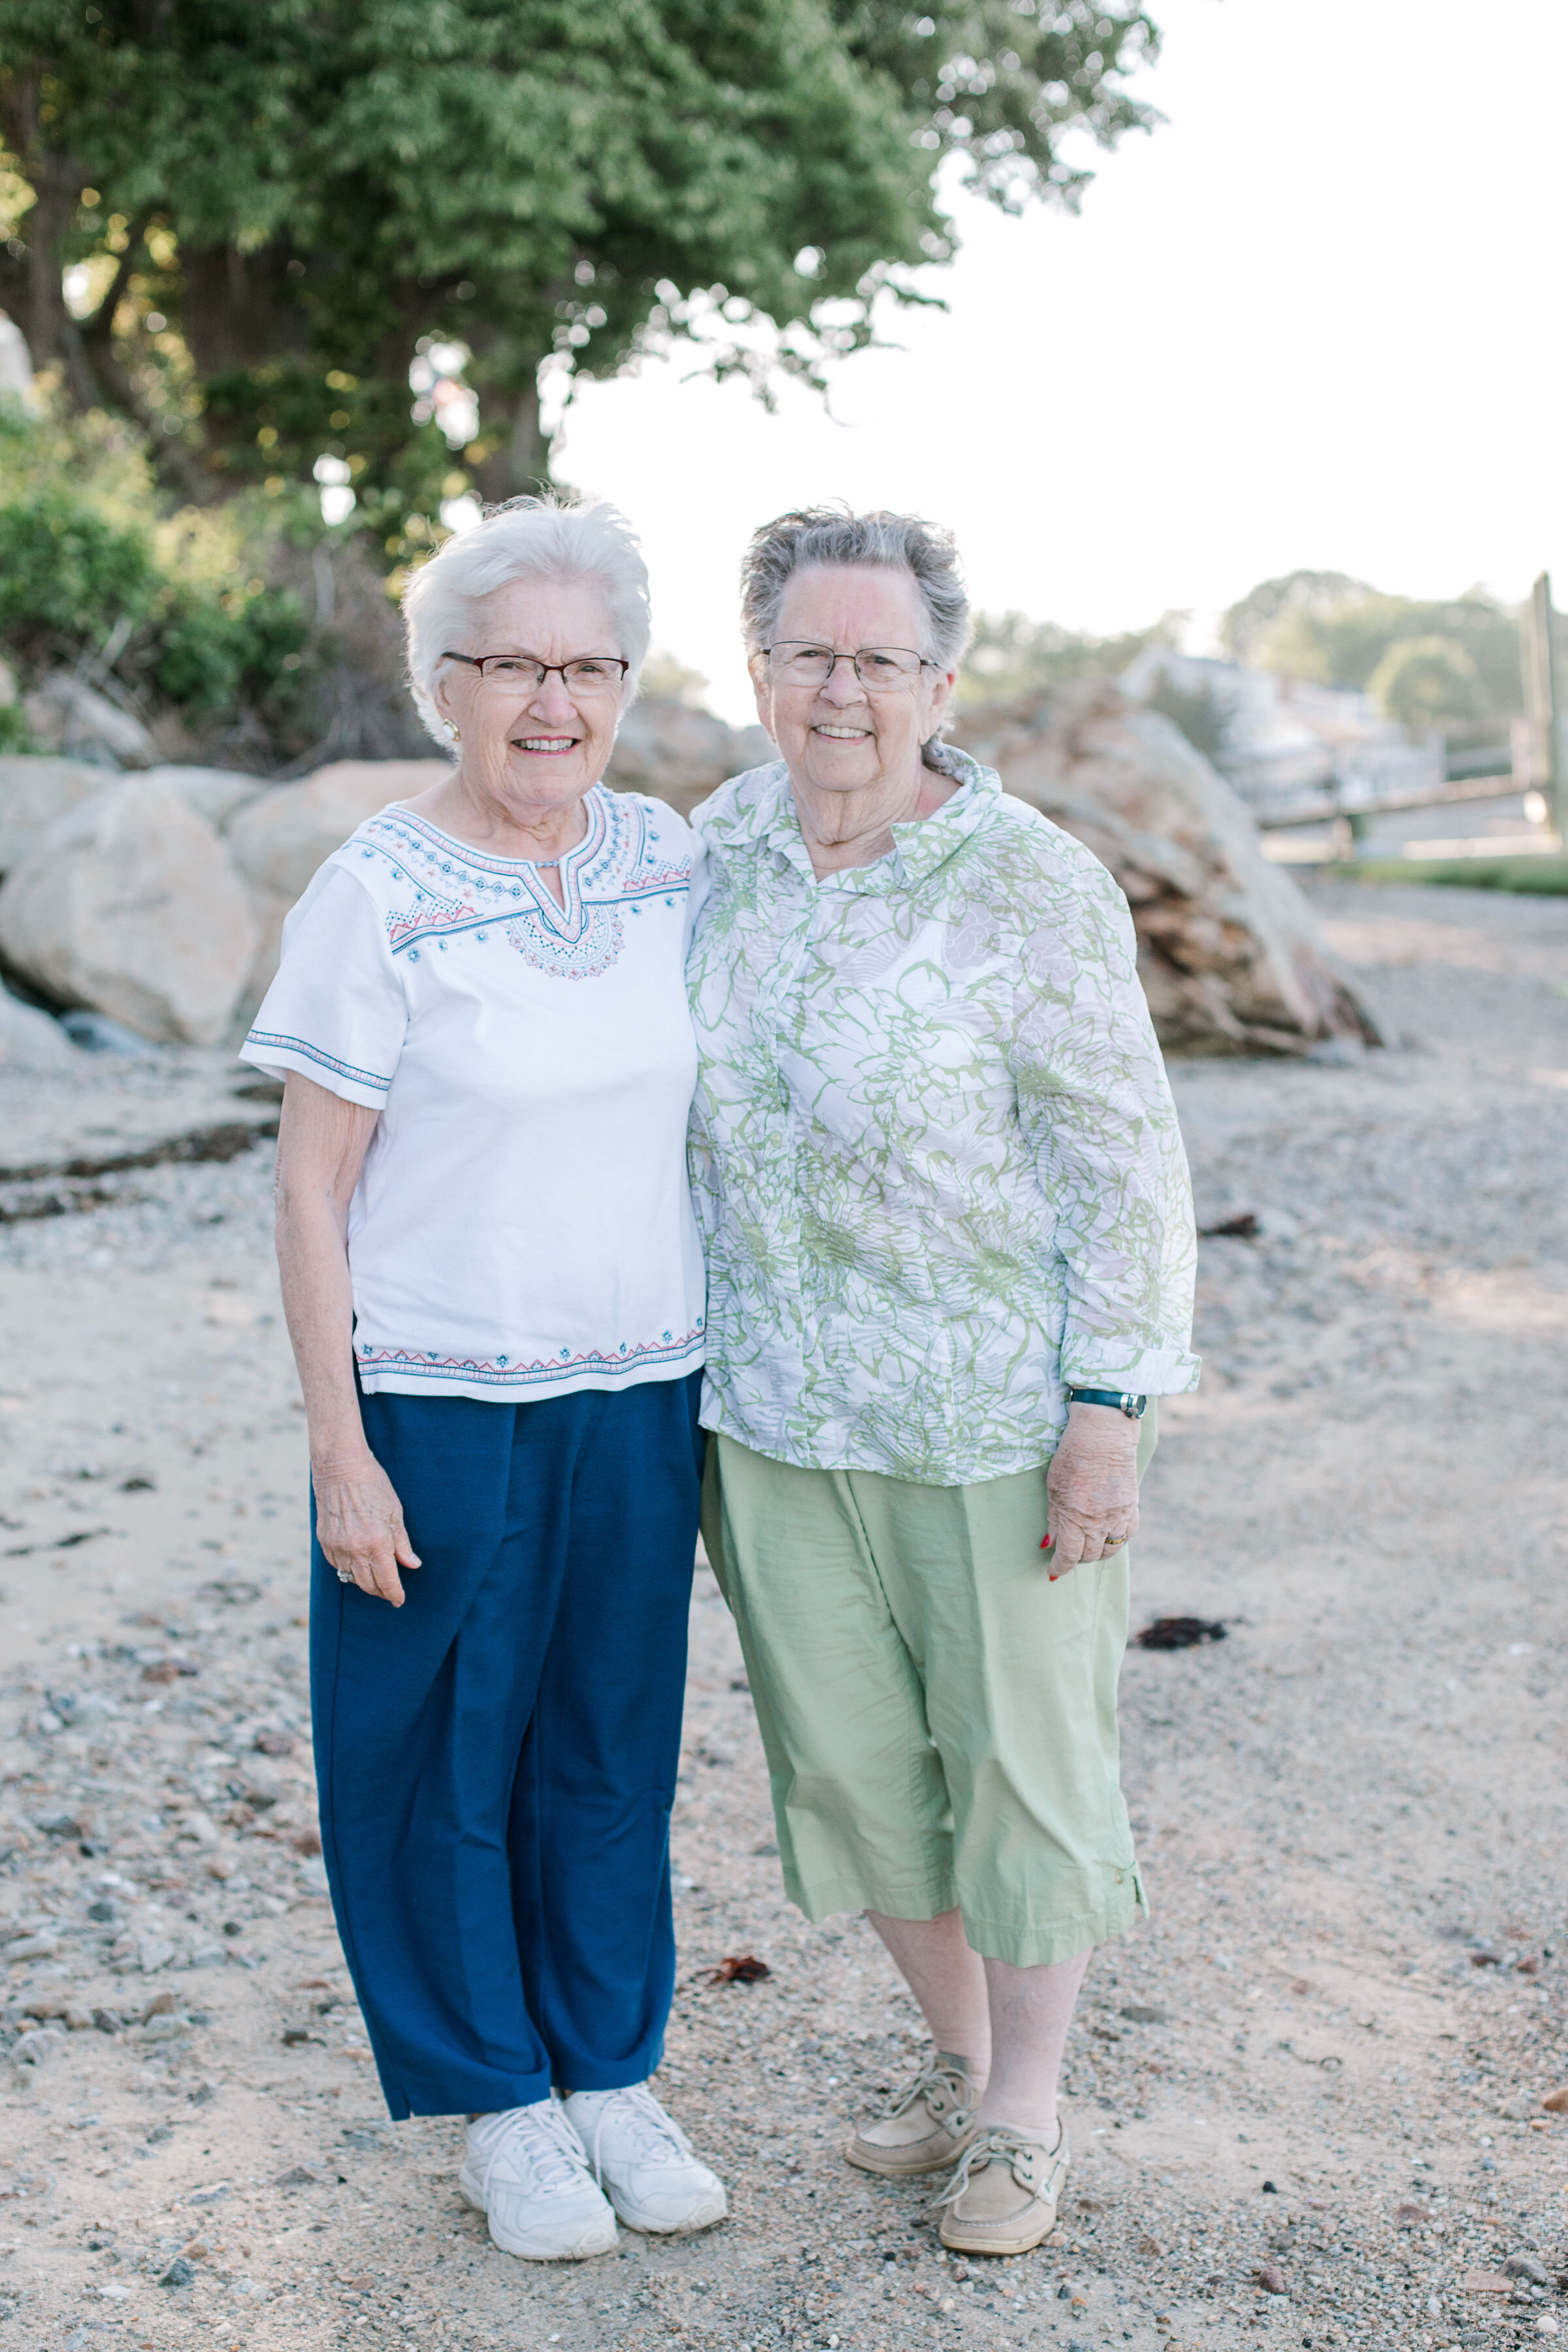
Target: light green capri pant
{"x":939,"y":1717}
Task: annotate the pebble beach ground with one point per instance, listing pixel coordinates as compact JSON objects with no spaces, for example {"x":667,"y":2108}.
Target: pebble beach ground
{"x":1305,"y":2098}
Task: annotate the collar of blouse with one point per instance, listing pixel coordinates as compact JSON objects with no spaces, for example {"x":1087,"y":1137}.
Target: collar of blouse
{"x":763,"y":811}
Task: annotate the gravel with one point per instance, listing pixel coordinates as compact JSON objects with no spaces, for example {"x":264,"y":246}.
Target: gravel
{"x":1305,"y":2098}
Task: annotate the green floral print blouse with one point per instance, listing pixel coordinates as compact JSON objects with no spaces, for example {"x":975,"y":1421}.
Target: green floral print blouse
{"x":934,"y":1153}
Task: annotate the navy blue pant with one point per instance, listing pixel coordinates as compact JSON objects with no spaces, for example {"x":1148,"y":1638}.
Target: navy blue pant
{"x":496,"y":1759}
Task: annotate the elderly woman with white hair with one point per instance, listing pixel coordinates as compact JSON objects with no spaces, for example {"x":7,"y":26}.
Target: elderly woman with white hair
{"x":949,"y":1258}
{"x":495,"y":1291}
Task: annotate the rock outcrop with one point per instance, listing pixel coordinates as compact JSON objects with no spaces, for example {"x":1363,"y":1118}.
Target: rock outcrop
{"x":278,"y":840}
{"x":34,"y":792}
{"x":1230,"y":953}
{"x":129,"y":904}
{"x":30,"y":1040}
{"x":680,"y":755}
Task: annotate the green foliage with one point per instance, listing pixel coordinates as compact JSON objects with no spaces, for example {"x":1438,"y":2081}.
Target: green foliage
{"x":175,"y":604}
{"x":66,"y":572}
{"x":1263,"y":608}
{"x":1428,"y":682}
{"x":1200,"y":713}
{"x":1536,"y":877}
{"x":1010,"y":654}
{"x":211,"y":650}
{"x":287,"y":199}
{"x":1324,"y":626}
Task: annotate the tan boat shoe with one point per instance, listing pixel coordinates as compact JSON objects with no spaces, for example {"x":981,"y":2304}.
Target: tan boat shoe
{"x":1004,"y":2195}
{"x":924,"y":2129}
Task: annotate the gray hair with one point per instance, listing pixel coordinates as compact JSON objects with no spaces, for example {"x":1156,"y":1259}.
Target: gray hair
{"x":549,"y":538}
{"x":838,"y":535}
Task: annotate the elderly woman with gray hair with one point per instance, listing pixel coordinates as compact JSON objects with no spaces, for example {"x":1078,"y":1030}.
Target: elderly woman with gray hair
{"x":951,"y":1257}
{"x":494,"y":1286}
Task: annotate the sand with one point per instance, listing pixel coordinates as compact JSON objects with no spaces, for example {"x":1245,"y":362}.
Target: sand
{"x":1323,"y":2059}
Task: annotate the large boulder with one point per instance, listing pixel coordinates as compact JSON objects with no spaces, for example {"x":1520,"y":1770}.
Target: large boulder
{"x":278,"y":840}
{"x":129,"y":905}
{"x":33,"y":791}
{"x":678,"y":754}
{"x":217,"y":793}
{"x":30,"y":1040}
{"x":1229,"y":951}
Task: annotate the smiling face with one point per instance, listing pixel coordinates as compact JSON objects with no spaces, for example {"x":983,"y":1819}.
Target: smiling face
{"x":534,"y":748}
{"x":838,"y":738}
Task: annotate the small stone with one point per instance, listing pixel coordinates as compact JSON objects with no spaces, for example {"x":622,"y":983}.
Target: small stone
{"x":1408,"y":2215}
{"x":152,"y":1954}
{"x":1525,"y":2266}
{"x":1271,"y":2280}
{"x":179,"y":2273}
{"x":1138,"y":2012}
{"x":1151,"y":2249}
{"x":30,"y":1947}
{"x":275,"y":1743}
{"x":214,"y":2195}
{"x":1556,"y":2102}
{"x":298,"y":2176}
{"x":162,"y":2004}
{"x":166,"y":2029}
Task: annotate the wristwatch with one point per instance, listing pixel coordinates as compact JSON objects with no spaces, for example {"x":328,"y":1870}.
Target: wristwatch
{"x":1121,"y":1399}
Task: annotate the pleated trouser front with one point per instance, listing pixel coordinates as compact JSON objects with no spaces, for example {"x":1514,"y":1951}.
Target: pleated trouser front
{"x":496,"y":1760}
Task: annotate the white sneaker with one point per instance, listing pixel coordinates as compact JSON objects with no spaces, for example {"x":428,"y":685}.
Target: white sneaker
{"x":526,"y":2170}
{"x":644,"y":2162}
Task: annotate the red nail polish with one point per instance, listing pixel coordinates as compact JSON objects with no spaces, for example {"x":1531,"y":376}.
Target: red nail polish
{"x":1045,"y":1543}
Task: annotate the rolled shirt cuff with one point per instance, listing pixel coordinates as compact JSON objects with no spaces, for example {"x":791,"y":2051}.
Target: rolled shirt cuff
{"x":1158,"y":1371}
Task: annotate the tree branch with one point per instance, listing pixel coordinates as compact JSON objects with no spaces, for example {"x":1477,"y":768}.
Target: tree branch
{"x":95,"y":332}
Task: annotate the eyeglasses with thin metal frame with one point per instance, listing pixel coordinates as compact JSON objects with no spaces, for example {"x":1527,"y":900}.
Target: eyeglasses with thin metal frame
{"x":881,"y":670}
{"x":590,"y":674}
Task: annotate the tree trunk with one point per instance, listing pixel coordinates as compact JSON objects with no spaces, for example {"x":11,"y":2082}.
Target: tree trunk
{"x":56,"y":183}
{"x":520,"y":462}
{"x":240,"y":309}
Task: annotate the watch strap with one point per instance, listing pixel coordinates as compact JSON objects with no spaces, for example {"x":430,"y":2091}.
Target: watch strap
{"x":1120,"y":1400}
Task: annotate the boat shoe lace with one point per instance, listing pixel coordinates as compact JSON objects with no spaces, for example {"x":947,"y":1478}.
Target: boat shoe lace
{"x":946,"y":2092}
{"x":1037,"y":2168}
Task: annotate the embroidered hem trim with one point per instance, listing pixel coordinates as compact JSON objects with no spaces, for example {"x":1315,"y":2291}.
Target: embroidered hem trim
{"x":502,"y":1372}
{"x":271,"y":1038}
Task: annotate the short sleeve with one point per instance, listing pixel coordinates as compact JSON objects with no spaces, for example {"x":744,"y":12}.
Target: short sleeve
{"x":336,"y":1013}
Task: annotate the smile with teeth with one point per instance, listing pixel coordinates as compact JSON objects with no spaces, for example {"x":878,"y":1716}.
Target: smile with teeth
{"x":544,"y":743}
{"x":843,"y":734}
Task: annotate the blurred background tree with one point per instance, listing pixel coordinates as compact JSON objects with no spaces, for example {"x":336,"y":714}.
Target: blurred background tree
{"x":1444,"y":663}
{"x":1010,"y":654}
{"x":239,"y":227}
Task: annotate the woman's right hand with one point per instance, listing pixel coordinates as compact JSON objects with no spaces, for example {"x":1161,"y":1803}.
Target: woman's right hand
{"x":359,"y":1523}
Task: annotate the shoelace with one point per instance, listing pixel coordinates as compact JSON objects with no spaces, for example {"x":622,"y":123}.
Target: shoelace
{"x":652,"y":2130}
{"x":998,"y":2141}
{"x":935,"y":2076}
{"x":547,"y":2143}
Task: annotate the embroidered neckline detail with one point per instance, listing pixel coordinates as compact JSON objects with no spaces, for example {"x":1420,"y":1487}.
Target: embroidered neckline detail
{"x":616,"y":868}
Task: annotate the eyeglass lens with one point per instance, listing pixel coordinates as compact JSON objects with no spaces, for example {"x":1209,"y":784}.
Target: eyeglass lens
{"x":585,"y":677}
{"x":885,"y":668}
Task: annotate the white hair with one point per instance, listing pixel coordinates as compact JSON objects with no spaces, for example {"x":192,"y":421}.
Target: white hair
{"x":836,"y":534}
{"x":546,"y":539}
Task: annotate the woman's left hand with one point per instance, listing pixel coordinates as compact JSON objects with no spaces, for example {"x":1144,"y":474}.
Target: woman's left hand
{"x":1092,"y":1485}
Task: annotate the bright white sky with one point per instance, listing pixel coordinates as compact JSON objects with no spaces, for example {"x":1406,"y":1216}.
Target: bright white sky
{"x":1314,"y":318}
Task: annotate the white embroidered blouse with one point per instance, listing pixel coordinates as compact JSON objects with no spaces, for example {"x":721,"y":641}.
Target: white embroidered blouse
{"x":522,"y":1226}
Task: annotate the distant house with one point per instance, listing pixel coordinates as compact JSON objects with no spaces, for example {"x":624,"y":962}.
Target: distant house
{"x":1283,"y":742}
